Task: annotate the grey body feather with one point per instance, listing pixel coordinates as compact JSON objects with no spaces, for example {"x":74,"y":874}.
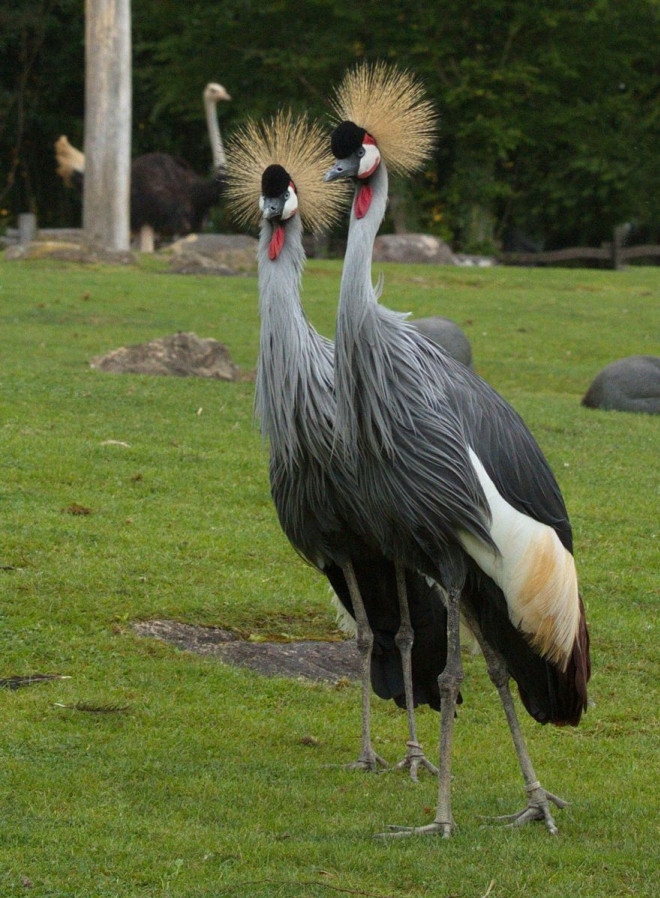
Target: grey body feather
{"x":313,"y":484}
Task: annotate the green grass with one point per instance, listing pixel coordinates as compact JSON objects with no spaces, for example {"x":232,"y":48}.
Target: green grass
{"x":207,"y":781}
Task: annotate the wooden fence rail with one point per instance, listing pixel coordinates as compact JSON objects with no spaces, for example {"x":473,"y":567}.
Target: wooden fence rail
{"x":613,"y":254}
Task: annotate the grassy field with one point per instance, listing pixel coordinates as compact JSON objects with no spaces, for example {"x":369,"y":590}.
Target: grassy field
{"x":214,"y":781}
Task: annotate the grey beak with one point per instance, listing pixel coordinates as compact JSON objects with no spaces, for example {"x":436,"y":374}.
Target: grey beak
{"x":273,"y":207}
{"x":343,"y":168}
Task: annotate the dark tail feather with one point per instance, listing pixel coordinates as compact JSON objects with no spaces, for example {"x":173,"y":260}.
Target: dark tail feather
{"x":377,"y":582}
{"x":549,"y":694}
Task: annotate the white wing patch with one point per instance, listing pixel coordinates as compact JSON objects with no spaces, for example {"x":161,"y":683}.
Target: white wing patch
{"x":344,"y":620}
{"x":534,"y":571}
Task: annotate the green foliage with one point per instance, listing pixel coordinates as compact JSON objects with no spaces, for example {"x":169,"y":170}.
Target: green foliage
{"x":549,"y":111}
{"x":215,"y":781}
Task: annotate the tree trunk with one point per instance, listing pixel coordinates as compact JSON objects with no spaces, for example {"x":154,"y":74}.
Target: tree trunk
{"x":106,"y":196}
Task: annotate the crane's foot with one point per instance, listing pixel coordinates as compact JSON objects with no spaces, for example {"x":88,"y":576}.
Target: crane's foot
{"x":538,"y":808}
{"x":368,"y":761}
{"x":437,"y":828}
{"x":414,"y":759}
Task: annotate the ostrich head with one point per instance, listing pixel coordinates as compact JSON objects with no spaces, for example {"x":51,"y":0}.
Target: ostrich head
{"x":215,"y":92}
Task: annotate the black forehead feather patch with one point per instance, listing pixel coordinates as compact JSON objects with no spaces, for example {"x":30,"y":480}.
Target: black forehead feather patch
{"x":346,"y":139}
{"x":275,"y":181}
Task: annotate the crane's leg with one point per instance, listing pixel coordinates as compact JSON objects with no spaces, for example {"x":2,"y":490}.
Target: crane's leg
{"x":368,"y":759}
{"x":404,"y":640}
{"x":449,"y":682}
{"x":538,"y":800}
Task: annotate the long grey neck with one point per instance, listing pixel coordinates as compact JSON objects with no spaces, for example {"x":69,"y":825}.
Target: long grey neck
{"x":356,"y":286}
{"x":217,"y":146}
{"x":294,"y":372}
{"x":358,"y":307}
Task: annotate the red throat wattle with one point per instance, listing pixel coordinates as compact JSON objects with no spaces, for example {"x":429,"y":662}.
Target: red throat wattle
{"x":363,"y":200}
{"x":276,"y":243}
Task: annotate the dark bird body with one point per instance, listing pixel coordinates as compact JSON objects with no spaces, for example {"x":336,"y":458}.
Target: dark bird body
{"x":169,"y":196}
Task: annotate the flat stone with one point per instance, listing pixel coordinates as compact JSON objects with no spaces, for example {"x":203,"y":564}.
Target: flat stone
{"x":181,"y":355}
{"x":312,"y":659}
{"x":195,"y":263}
{"x":412,"y":248}
{"x":236,"y":251}
{"x":68,"y":252}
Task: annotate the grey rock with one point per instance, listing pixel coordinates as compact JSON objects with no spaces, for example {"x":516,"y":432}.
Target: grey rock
{"x":414,"y":248}
{"x":448,"y":335}
{"x":181,"y":355}
{"x":236,"y":251}
{"x":68,"y":252}
{"x":631,"y":384}
{"x":311,"y":659}
{"x":196,"y":263}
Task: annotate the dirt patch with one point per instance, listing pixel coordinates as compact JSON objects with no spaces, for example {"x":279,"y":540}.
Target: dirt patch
{"x":314,"y":660}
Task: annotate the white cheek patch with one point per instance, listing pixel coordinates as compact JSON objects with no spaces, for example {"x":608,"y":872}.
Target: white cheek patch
{"x":370,"y":161}
{"x":291,"y":205}
{"x":261,"y":203}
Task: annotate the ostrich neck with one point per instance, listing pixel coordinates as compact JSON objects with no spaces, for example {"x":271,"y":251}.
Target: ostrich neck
{"x":217,"y":146}
{"x":294,"y":371}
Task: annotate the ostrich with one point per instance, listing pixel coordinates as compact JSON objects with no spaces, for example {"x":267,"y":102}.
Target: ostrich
{"x":274,"y":180}
{"x":452,"y":482}
{"x":167,"y":195}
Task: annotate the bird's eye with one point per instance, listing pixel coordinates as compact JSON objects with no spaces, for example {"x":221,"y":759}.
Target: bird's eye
{"x":361,"y":152}
{"x":287,"y":195}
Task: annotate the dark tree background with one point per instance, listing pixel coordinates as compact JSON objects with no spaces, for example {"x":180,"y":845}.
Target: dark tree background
{"x":549,"y":111}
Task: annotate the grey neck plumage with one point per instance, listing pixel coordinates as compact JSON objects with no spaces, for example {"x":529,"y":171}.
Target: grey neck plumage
{"x":362,"y":365}
{"x":293,"y":395}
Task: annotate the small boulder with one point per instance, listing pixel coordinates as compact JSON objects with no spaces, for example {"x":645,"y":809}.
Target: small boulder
{"x":181,"y":355}
{"x":196,"y":263}
{"x":631,"y":384}
{"x":448,"y":336}
{"x":67,"y":252}
{"x":413,"y":248}
{"x":236,"y":251}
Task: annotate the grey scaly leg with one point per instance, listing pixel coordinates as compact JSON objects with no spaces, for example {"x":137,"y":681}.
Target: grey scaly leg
{"x":538,"y":800}
{"x":449,"y":682}
{"x":368,"y":759}
{"x":404,"y":638}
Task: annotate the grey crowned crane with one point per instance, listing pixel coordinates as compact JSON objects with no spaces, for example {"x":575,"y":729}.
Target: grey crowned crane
{"x":452,"y":483}
{"x":275,"y":172}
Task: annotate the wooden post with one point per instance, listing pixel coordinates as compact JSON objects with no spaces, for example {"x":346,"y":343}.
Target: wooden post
{"x":27,"y":228}
{"x":617,"y":242}
{"x":106,"y":193}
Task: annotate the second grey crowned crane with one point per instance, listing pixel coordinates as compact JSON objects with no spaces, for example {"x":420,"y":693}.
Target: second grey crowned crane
{"x":452,"y":483}
{"x":275,"y":174}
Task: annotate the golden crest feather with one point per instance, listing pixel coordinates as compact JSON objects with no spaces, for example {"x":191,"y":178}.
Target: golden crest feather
{"x":299,"y":146}
{"x":390,"y":104}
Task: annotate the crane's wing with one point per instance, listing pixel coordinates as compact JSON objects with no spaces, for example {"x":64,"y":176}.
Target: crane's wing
{"x":504,"y":445}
